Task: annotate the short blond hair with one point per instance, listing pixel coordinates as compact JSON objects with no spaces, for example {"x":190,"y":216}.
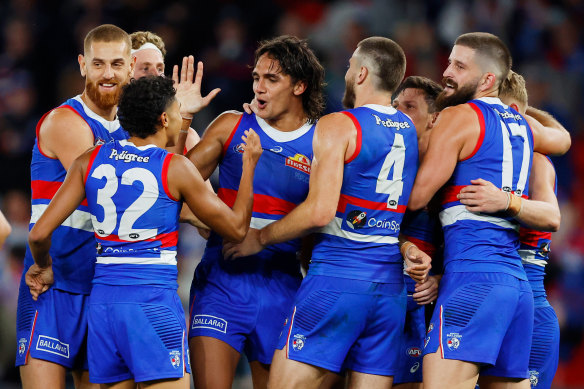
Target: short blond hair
{"x":139,"y":38}
{"x":513,"y":90}
{"x":106,"y":33}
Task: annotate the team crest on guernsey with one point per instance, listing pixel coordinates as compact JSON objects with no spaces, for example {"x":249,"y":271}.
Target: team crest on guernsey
{"x":430,"y":328}
{"x":298,"y":342}
{"x":533,"y":378}
{"x":175,"y":358}
{"x":238,"y":148}
{"x":98,"y":141}
{"x":453,"y":340}
{"x":299,"y":162}
{"x":21,"y":346}
{"x":356,"y":219}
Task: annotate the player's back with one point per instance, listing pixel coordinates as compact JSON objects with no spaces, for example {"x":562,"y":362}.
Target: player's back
{"x":361,"y":241}
{"x":134,"y":216}
{"x":73,"y":244}
{"x":280,"y":184}
{"x":503,"y":155}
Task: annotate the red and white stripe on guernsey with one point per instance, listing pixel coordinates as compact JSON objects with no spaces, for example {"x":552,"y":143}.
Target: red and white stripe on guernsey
{"x":36,"y":313}
{"x":290,"y":332}
{"x":90,"y":163}
{"x":358,"y":141}
{"x":346,"y":199}
{"x":441,"y":329}
{"x":334,"y":228}
{"x":482,"y":130}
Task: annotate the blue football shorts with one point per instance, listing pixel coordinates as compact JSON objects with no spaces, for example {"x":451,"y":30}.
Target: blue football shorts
{"x":485,"y":318}
{"x":53,"y":328}
{"x":136,"y":332}
{"x":410,"y":361}
{"x":339,"y":324}
{"x":246,"y":310}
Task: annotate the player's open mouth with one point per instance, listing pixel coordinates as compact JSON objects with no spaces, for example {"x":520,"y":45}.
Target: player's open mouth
{"x":107,"y":85}
{"x":450,"y":85}
{"x":261,"y":104}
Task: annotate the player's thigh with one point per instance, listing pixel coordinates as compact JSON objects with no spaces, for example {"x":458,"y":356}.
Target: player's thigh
{"x":359,"y":380}
{"x":260,"y":373}
{"x":126,"y":384}
{"x":81,"y":380}
{"x":288,"y":374}
{"x":213,"y":362}
{"x":441,"y":373}
{"x":38,"y":373}
{"x":177,"y":383}
{"x":334,"y":381}
{"x":408,"y":385}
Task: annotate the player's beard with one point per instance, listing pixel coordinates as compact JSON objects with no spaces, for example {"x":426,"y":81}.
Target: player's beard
{"x":349,"y":96}
{"x":103,"y":100}
{"x":461,"y":95}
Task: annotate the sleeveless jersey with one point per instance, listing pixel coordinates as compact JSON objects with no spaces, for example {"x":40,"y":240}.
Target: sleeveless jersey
{"x":503,"y":155}
{"x":361,"y":241}
{"x":534,"y":251}
{"x":280,"y":184}
{"x":134,"y":216}
{"x":73,"y":244}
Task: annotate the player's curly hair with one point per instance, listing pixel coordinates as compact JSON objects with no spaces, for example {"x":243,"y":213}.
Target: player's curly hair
{"x":142,"y":102}
{"x":299,"y":62}
{"x":139,"y":38}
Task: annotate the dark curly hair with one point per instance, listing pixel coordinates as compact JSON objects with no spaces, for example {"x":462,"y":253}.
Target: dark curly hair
{"x":142,"y":102}
{"x":299,"y":62}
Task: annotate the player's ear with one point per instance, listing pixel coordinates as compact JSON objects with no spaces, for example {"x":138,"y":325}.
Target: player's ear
{"x":363,"y":73}
{"x":514,"y":106}
{"x":488,"y":81}
{"x":299,"y":88}
{"x":82,"y":68}
{"x":163,"y":119}
{"x":433,"y":119}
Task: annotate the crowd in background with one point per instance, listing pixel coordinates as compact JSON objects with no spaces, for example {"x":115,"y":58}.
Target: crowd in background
{"x":40,"y":41}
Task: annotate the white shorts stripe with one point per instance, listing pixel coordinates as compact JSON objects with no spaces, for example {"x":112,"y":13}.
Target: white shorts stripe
{"x":166,"y":258}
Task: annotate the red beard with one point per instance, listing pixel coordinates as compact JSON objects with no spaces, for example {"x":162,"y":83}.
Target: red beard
{"x":103,"y":100}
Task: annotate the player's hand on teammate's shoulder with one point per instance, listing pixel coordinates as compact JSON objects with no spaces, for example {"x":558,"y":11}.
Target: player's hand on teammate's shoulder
{"x":252,"y":149}
{"x":427,"y":292}
{"x":188,"y":91}
{"x":250,"y":245}
{"x":483,"y":196}
{"x":39,"y":279}
{"x":418,"y":264}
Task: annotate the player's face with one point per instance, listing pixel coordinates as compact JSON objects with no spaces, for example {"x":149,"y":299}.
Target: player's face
{"x":272,"y":88}
{"x":412,"y":102}
{"x":149,"y":62}
{"x":461,"y":78}
{"x":107,"y":67}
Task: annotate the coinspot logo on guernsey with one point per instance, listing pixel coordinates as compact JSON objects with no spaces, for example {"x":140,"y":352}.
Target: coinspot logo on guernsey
{"x":210,"y":322}
{"x":53,"y":346}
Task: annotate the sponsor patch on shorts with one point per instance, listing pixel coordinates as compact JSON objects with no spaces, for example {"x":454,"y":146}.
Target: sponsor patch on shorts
{"x":53,"y":346}
{"x":210,"y":322}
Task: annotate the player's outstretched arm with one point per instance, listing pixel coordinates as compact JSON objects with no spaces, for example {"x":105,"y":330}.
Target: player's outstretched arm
{"x":71,"y":193}
{"x":207,"y":154}
{"x":541,"y":212}
{"x":185,"y":182}
{"x":454,"y":135}
{"x":549,"y":136}
{"x":332,"y":137}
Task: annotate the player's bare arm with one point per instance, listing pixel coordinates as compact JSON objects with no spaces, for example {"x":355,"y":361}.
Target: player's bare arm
{"x":64,"y":135}
{"x":208,"y":152}
{"x":185,"y":182}
{"x":39,"y":277}
{"x":453,"y":138}
{"x":5,"y":229}
{"x":541,"y":212}
{"x":549,"y":136}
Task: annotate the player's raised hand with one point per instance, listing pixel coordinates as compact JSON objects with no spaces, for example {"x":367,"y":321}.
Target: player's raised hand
{"x":250,"y":245}
{"x":252,"y":147}
{"x":39,"y":279}
{"x":483,"y":196}
{"x":252,"y":107}
{"x":188,"y":91}
{"x":417,"y":263}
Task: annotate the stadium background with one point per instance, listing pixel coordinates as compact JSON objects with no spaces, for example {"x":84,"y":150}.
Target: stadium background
{"x":40,"y":40}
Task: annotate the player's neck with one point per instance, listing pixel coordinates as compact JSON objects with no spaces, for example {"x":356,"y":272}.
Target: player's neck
{"x":108,"y":114}
{"x":373,"y":97}
{"x":159,"y":140}
{"x":289,"y":121}
{"x":487,"y":93}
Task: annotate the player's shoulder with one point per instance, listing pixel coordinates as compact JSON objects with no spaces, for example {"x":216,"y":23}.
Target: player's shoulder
{"x":227,"y":119}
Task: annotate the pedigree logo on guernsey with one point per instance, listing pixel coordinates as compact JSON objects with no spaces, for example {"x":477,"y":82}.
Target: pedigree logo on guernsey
{"x":299,"y":162}
{"x":390,"y":123}
{"x":127,"y":157}
{"x":53,"y":346}
{"x":210,"y":322}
